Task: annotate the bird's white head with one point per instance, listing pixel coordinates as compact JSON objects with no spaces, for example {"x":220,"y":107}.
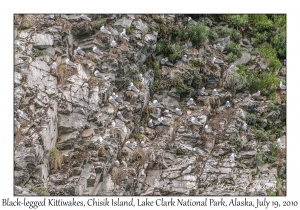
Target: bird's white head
{"x":113,"y":41}
{"x":110,"y":97}
{"x":67,"y":60}
{"x":192,"y":118}
{"x":278,"y":140}
{"x":185,"y":56}
{"x":94,"y":48}
{"x":116,"y":95}
{"x":154,"y":101}
{"x":78,"y":48}
{"x":100,"y":138}
{"x":113,"y":94}
{"x":131,"y":84}
{"x":191,"y":99}
{"x":150,"y":120}
{"x":280,"y":83}
{"x":176,"y":109}
{"x":119,"y":112}
{"x":215,"y":90}
{"x":102,"y":27}
{"x":140,"y":75}
{"x":142,"y":142}
{"x":206,"y":126}
{"x":227,"y":102}
{"x":258,"y":91}
{"x":124,"y":30}
{"x":113,"y":123}
{"x":127,"y":142}
{"x":189,"y":18}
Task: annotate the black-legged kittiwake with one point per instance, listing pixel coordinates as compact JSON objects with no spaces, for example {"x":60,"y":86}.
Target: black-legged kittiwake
{"x":214,"y":92}
{"x":202,"y":91}
{"x":97,"y":51}
{"x":123,"y":35}
{"x":231,"y":157}
{"x":132,"y":88}
{"x":85,"y":17}
{"x":281,"y":86}
{"x":79,"y":51}
{"x":113,"y":44}
{"x":112,"y":101}
{"x":256,"y":95}
{"x":184,"y":58}
{"x":191,"y":21}
{"x":227,"y":104}
{"x":70,"y":63}
{"x":120,"y":117}
{"x":150,"y":124}
{"x":178,"y":111}
{"x":104,"y":30}
{"x":195,"y":121}
{"x":191,"y":102}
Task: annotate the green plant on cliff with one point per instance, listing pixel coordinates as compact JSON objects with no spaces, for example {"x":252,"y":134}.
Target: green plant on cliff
{"x":197,"y":33}
{"x":179,"y":85}
{"x":55,"y":159}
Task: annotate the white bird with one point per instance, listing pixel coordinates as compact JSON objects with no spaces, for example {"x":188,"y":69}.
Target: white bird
{"x":116,"y":126}
{"x":113,"y":43}
{"x":187,"y":170}
{"x":84,"y":17}
{"x":231,"y":157}
{"x":130,"y":145}
{"x":22,"y":115}
{"x":141,"y":78}
{"x":256,"y":95}
{"x":142,"y":144}
{"x":168,"y":63}
{"x":227,"y":104}
{"x":178,"y":111}
{"x":191,"y":21}
{"x":167,"y":113}
{"x":79,"y":51}
{"x":54,"y":65}
{"x":70,"y":63}
{"x":123,"y":35}
{"x":141,"y":129}
{"x":97,"y":51}
{"x":163,"y":121}
{"x":206,"y":129}
{"x":16,"y":123}
{"x":98,"y":74}
{"x":103,"y":142}
{"x":156,"y":104}
{"x":120,"y":116}
{"x":132,"y":88}
{"x":279,"y":142}
{"x":118,"y":99}
{"x":232,"y":68}
{"x":112,"y":100}
{"x":191,"y":102}
{"x":202,"y":92}
{"x":214,"y":92}
{"x":163,"y":61}
{"x":244,"y":127}
{"x":25,"y":71}
{"x":17,"y":44}
{"x":219,"y":47}
{"x":103,"y":30}
{"x":51,"y":16}
{"x":117,"y":163}
{"x":281,"y":86}
{"x":217,"y":61}
{"x":195,"y":121}
{"x":64,"y":16}
{"x":184,"y":58}
{"x":198,"y":150}
{"x":157,"y":122}
{"x":150,"y":124}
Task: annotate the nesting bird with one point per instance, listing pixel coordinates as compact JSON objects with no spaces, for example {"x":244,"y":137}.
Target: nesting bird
{"x":51,"y":16}
{"x":217,"y":61}
{"x":279,"y":142}
{"x":142,"y":144}
{"x":194,"y":121}
{"x":120,"y":116}
{"x":84,"y":17}
{"x":232,"y":68}
{"x":163,"y":121}
{"x":54,"y":65}
{"x":79,"y":51}
{"x":244,"y":127}
{"x":157,"y":122}
{"x":98,"y":74}
{"x":141,"y":78}
{"x":178,"y":111}
{"x":118,"y":99}
{"x":112,"y":101}
{"x":132,"y":88}
{"x":116,"y":126}
{"x":104,"y":30}
{"x":184,"y":58}
{"x":214,"y":92}
{"x":206,"y":129}
{"x":168,"y":63}
{"x":117,"y":163}
{"x":150,"y":124}
{"x":123,"y":35}
{"x":187,"y":170}
{"x":64,"y":16}
{"x":202,"y":92}
{"x":21,"y":114}
{"x":227,"y":104}
{"x":113,"y":43}
{"x":103,"y":142}
{"x":141,"y":129}
{"x":156,"y":104}
{"x":130,"y":145}
{"x":198,"y":150}
{"x":191,"y":21}
{"x":167,"y":113}
{"x":231,"y":157}
{"x":219,"y":47}
{"x":256,"y":95}
{"x":191,"y":102}
{"x":97,"y":51}
{"x":70,"y":63}
{"x":281,"y":86}
{"x":16,"y":123}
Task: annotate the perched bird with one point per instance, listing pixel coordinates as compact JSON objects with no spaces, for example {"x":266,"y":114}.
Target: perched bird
{"x":97,"y":51}
{"x":202,"y":92}
{"x":214,"y":92}
{"x":206,"y":129}
{"x":142,"y":144}
{"x":141,"y":129}
{"x":84,"y":17}
{"x":217,"y":61}
{"x":187,"y":170}
{"x":141,"y":78}
{"x":167,"y":113}
{"x":116,"y":126}
{"x":184,"y":58}
{"x":16,"y":123}
{"x":123,"y":35}
{"x":281,"y":86}
{"x":227,"y":104}
{"x":232,"y":68}
{"x":163,"y":121}
{"x":21,"y":114}
{"x":79,"y":51}
{"x":178,"y":111}
{"x":118,"y":99}
{"x":103,"y":142}
{"x":244,"y":127}
{"x":219,"y":47}
{"x":130,"y":145}
{"x":113,"y":43}
{"x":54,"y":65}
{"x":156,"y":104}
{"x":231,"y":157}
{"x":168,"y":63}
{"x":103,"y":30}
{"x":25,"y":71}
{"x":191,"y":21}
{"x":157,"y":122}
{"x":132,"y":88}
{"x":163,"y":61}
{"x":70,"y":63}
{"x":195,"y":121}
{"x":198,"y":150}
{"x":51,"y":16}
{"x":64,"y":16}
{"x":150,"y":124}
{"x":98,"y":74}
{"x":117,"y":163}
{"x":120,"y":116}
{"x":17,"y":44}
{"x":112,"y":101}
{"x":256,"y":95}
{"x":191,"y":102}
{"x":279,"y":142}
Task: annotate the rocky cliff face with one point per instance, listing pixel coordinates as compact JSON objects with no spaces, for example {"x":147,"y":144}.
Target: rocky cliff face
{"x":65,"y":140}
